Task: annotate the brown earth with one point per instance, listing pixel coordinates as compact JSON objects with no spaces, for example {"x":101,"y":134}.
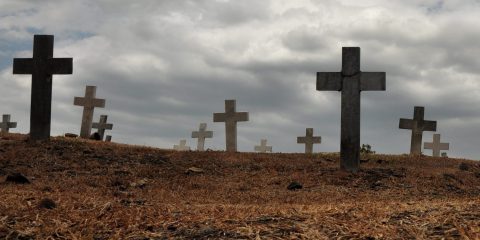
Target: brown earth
{"x":81,"y":189}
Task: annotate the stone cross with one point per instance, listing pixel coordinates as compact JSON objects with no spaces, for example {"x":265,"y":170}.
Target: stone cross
{"x":102,"y":126}
{"x":263,"y":147}
{"x":42,"y":66}
{"x":309,"y":140}
{"x":231,"y":117}
{"x":350,"y":81}
{"x":89,"y":102}
{"x":5,"y":125}
{"x":436,"y":145}
{"x":108,"y":138}
{"x":201,"y":134}
{"x":418,"y":125}
{"x":182,"y":147}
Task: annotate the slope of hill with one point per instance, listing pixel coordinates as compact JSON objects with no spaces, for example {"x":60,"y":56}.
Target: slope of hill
{"x":94,"y":190}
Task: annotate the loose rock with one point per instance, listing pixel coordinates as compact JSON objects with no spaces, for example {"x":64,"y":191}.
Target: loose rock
{"x":47,"y":203}
{"x":17,"y":178}
{"x":193,"y":170}
{"x":294,"y":186}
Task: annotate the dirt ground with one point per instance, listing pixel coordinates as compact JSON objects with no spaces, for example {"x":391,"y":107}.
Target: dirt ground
{"x":82,"y":189}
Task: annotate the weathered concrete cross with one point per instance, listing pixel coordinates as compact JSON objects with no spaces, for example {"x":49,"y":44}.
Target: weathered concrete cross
{"x":5,"y":125}
{"x":263,"y":147}
{"x":351,"y":81}
{"x":436,"y":145}
{"x":182,"y":147}
{"x":418,"y":125}
{"x":42,"y":66}
{"x":230,"y":117}
{"x":309,"y":140}
{"x":89,"y":102}
{"x":102,"y":125}
{"x":201,"y":134}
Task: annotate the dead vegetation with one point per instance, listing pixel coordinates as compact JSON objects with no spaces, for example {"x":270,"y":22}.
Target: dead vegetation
{"x":81,"y":189}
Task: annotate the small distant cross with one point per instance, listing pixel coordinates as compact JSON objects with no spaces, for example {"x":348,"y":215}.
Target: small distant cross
{"x":230,"y":117}
{"x":42,"y":66}
{"x":418,"y":125}
{"x":201,"y":134}
{"x":182,"y":147}
{"x":309,"y":140}
{"x":263,"y":147}
{"x":102,"y":126}
{"x":350,"y":81}
{"x":436,"y":145}
{"x":89,"y":102}
{"x":5,"y":125}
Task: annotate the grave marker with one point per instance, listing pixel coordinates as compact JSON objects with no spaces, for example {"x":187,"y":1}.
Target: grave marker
{"x":182,"y":146}
{"x":89,"y":102}
{"x":418,"y":125}
{"x":5,"y":125}
{"x":201,"y":134}
{"x":42,"y":66}
{"x":102,"y":125}
{"x":350,"y":81}
{"x":230,"y":117}
{"x":436,"y":145}
{"x":263,"y":147}
{"x":309,"y":140}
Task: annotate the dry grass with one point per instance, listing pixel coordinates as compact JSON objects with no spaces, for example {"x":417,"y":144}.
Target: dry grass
{"x":113,"y":191}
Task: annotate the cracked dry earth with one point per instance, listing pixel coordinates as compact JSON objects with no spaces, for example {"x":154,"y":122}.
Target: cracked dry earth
{"x":80,"y":189}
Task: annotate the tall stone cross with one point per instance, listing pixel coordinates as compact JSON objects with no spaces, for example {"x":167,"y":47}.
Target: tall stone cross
{"x":182,"y":146}
{"x":5,"y":125}
{"x":350,"y":81}
{"x":263,"y":147}
{"x":418,"y":125}
{"x":309,"y":140}
{"x":89,"y":102}
{"x":231,"y":117}
{"x":42,"y":66}
{"x":201,"y":134}
{"x":436,"y":145}
{"x":102,"y":125}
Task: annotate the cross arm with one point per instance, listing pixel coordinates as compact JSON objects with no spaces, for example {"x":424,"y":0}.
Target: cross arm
{"x":329,"y":81}
{"x":301,"y":139}
{"x":219,"y":117}
{"x":372,"y":81}
{"x":61,"y":66}
{"x":430,"y":125}
{"x":428,"y":145}
{"x":22,"y":66}
{"x":406,"y":123}
{"x":241,"y":117}
{"x":317,"y":139}
{"x":444,"y":146}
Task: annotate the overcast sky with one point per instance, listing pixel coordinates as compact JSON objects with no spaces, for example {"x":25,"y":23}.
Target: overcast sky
{"x":166,"y":66}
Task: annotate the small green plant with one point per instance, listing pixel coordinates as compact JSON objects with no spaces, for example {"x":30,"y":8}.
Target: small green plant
{"x":444,"y":154}
{"x":366,"y":149}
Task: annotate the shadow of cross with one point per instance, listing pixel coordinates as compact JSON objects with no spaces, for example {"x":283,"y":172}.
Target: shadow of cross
{"x":263,"y":148}
{"x":182,"y":146}
{"x":42,"y":66}
{"x":102,"y":125}
{"x":5,"y":125}
{"x":201,"y":134}
{"x":89,"y":102}
{"x":309,"y":140}
{"x":436,"y":145}
{"x":230,"y":117}
{"x":350,"y":81}
{"x":418,"y":125}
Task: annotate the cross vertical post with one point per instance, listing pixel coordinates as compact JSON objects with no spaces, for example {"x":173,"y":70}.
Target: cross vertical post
{"x":42,"y":66}
{"x":350,"y":81}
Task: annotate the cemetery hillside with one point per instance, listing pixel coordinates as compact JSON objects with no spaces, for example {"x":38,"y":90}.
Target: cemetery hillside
{"x":69,"y":188}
